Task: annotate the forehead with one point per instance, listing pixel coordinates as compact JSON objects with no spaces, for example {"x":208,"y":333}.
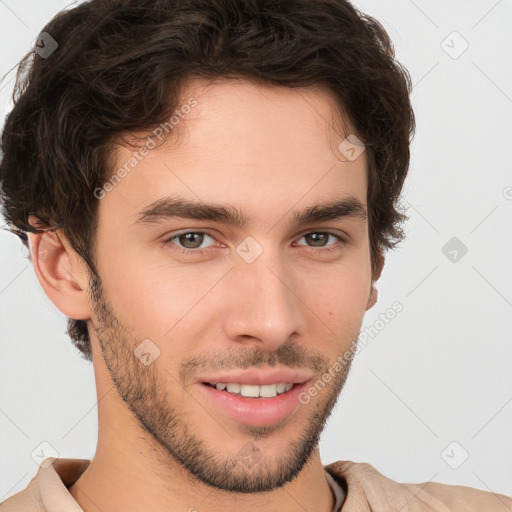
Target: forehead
{"x":252,"y":112}
{"x":244,"y":144}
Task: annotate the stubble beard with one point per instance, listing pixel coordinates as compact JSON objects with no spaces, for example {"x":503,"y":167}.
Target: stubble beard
{"x":144,"y":391}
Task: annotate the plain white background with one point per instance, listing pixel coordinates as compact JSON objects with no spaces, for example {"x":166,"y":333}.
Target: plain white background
{"x":430,"y":394}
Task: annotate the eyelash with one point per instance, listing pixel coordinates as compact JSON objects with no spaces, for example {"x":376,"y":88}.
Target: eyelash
{"x":181,"y":250}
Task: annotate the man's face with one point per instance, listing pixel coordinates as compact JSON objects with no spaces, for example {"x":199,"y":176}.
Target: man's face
{"x":248,"y":300}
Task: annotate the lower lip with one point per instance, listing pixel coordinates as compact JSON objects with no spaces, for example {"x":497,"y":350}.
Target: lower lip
{"x":256,"y":411}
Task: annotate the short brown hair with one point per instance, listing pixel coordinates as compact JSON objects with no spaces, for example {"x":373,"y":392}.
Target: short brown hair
{"x":120,"y":66}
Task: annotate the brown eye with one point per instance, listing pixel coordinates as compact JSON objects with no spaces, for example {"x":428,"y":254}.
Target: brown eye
{"x":188,"y":242}
{"x":191,"y":240}
{"x":321,"y":238}
{"x":317,"y":239}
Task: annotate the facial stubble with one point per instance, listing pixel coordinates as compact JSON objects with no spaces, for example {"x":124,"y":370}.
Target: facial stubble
{"x":143,"y":388}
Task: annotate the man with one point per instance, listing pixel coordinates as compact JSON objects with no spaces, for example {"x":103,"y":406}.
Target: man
{"x":207,"y":188}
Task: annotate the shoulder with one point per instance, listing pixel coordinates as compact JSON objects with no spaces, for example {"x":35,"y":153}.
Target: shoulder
{"x":367,"y":487}
{"x":26,"y":500}
{"x":48,"y":488}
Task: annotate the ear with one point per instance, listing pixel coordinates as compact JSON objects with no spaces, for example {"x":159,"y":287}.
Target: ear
{"x":60,"y":271}
{"x":372,"y":298}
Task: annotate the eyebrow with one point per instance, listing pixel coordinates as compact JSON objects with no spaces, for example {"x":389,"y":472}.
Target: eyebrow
{"x":170,"y":207}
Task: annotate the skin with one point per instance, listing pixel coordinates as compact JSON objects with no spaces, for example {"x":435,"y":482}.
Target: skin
{"x":162,"y":446}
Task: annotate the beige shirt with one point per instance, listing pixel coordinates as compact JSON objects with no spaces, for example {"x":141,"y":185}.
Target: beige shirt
{"x":359,"y":486}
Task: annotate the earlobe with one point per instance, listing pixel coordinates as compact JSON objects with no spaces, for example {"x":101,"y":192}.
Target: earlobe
{"x":61,"y":274}
{"x":372,"y":299}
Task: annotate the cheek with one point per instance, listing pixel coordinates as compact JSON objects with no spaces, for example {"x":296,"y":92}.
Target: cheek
{"x":337,"y":297}
{"x":340,"y":305}
{"x":345,"y":282}
{"x":153,"y":300}
{"x":147,"y":296}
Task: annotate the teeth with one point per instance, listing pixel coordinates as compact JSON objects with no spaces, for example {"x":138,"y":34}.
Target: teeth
{"x":233,"y":388}
{"x":251,"y":391}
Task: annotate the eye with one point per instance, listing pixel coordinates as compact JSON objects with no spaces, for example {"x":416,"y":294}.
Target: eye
{"x":191,"y":241}
{"x":320,"y":239}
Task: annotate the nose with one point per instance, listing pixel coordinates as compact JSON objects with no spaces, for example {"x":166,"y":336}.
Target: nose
{"x":264,"y":308}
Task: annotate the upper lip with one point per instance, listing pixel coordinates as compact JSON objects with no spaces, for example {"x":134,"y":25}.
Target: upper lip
{"x":259,"y":377}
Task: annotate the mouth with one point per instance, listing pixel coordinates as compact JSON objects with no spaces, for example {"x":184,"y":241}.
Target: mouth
{"x":251,"y":404}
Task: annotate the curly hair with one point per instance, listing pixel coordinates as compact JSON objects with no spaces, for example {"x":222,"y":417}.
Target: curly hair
{"x":120,"y":67}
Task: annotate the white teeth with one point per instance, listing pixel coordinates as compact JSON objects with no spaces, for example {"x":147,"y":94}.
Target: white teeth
{"x":253,"y":391}
{"x":268,"y":391}
{"x":233,"y":388}
{"x":250,"y":391}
